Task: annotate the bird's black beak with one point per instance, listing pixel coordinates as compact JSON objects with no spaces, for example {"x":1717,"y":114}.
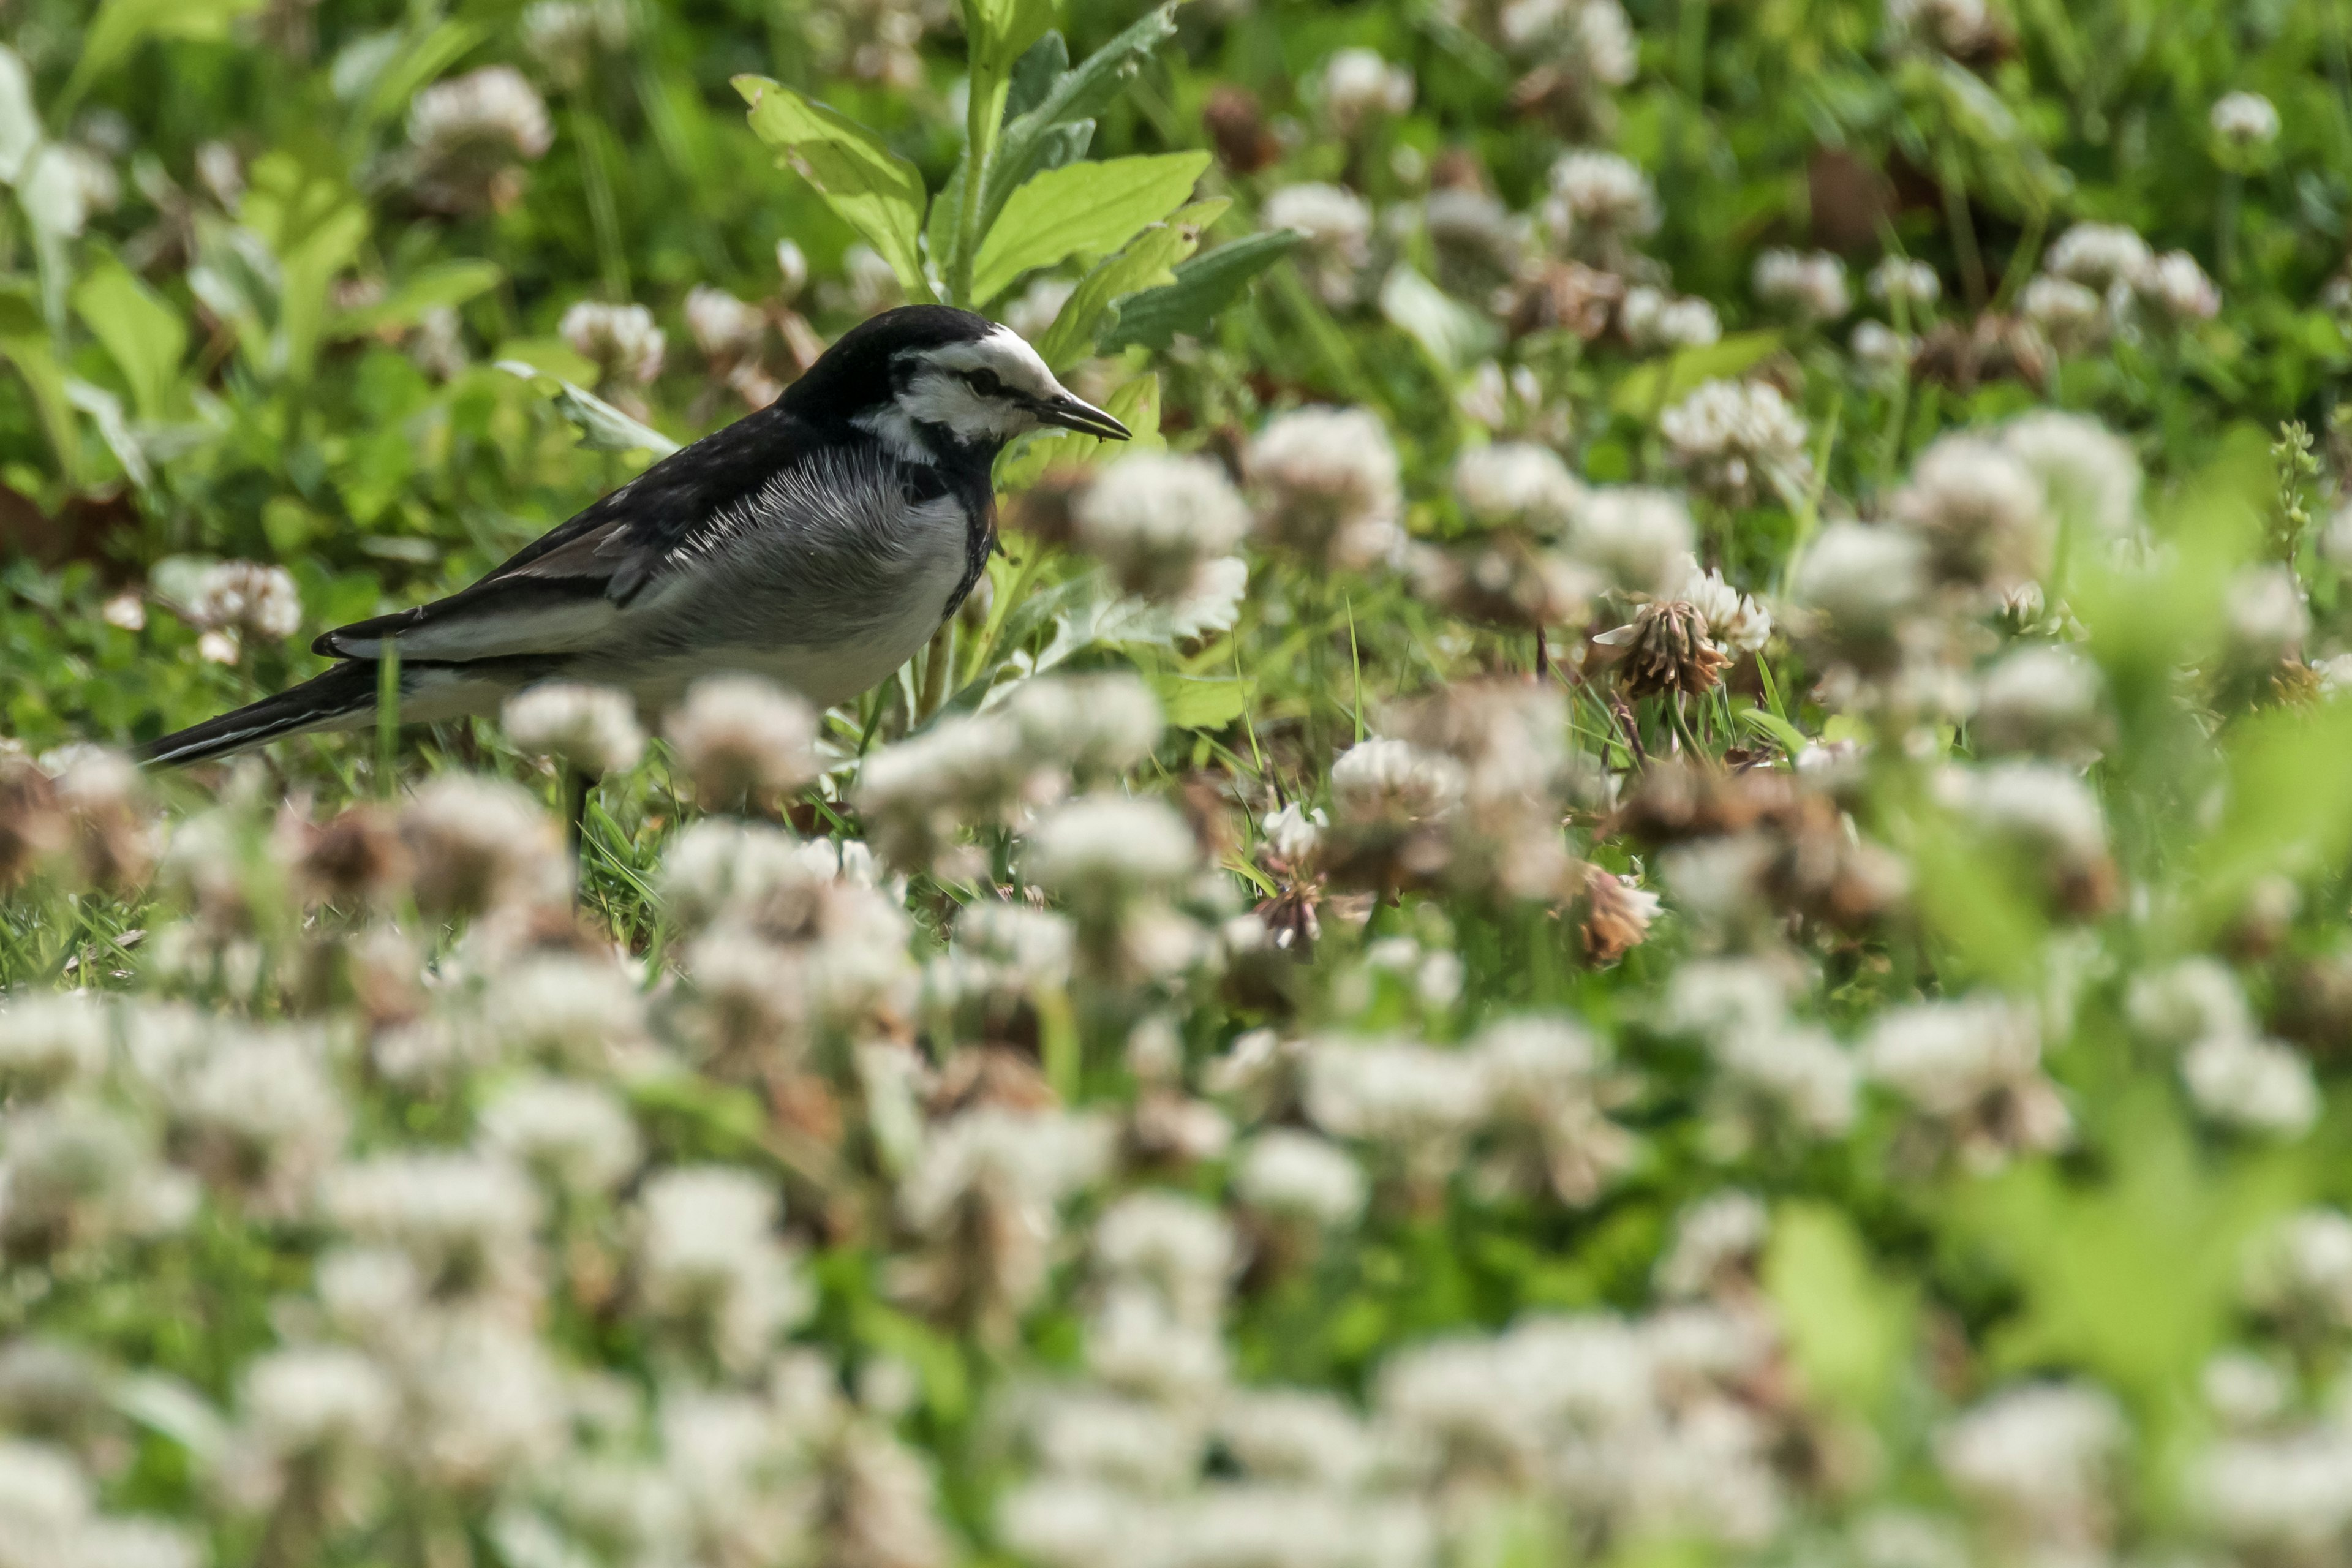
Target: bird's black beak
{"x":1072,"y":414}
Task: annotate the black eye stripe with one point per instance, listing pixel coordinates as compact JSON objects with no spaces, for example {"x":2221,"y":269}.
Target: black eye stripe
{"x":984,"y":382}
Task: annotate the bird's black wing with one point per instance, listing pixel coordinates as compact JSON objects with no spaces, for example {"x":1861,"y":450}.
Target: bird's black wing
{"x":560,"y":592}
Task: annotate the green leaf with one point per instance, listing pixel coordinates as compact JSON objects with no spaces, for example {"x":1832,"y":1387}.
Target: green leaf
{"x":444,"y":283}
{"x":1080,"y":94}
{"x":414,"y":67}
{"x":121,"y":26}
{"x":1453,"y":335}
{"x":1148,"y":262}
{"x":1192,"y":702}
{"x":1083,"y":209}
{"x":601,"y":426}
{"x":139,"y":329}
{"x":25,"y":343}
{"x":1204,"y":286}
{"x":877,"y":192}
{"x":1848,"y":1331}
{"x":1035,"y":74}
{"x":1657,"y":385}
{"x":2287,"y":810}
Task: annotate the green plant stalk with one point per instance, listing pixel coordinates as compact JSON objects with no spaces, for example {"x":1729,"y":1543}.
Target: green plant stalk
{"x":388,"y":718}
{"x":983,"y":115}
{"x":2225,"y":225}
{"x":938,"y":664}
{"x":604,"y":211}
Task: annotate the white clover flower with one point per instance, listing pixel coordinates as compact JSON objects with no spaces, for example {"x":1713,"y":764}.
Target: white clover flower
{"x":1898,"y":280}
{"x":315,"y":1399}
{"x":2243,"y":1389}
{"x":2192,"y":1000}
{"x":2039,"y":1455}
{"x":1982,"y":512}
{"x":1296,"y":1435}
{"x":1360,"y":88}
{"x":2282,"y":1496}
{"x":49,"y":1040}
{"x":1719,"y":997}
{"x":576,"y":1136}
{"x":2301,"y":1267}
{"x":564,"y":1009}
{"x":1295,"y":1174}
{"x":1516,"y":484}
{"x":1419,"y":1099}
{"x":2244,"y":121}
{"x":1329,"y":486}
{"x":563,"y":38}
{"x":620,"y":340}
{"x":1103,"y":723}
{"x":1974,"y":1065}
{"x":492,"y":107}
{"x":724,"y":328}
{"x":466,"y":1222}
{"x":2090,"y":475}
{"x":1654,"y":320}
{"x":1337,"y":229}
{"x":1719,"y":1232}
{"x":708,"y":1257}
{"x":1954,"y":26}
{"x":2043,"y":805}
{"x":2100,"y":255}
{"x":77,"y":1174}
{"x":2039,"y":698}
{"x":1801,"y":1074}
{"x":480,"y":842}
{"x":2261,"y":1085}
{"x":1605,"y":191}
{"x":1809,"y":286}
{"x":45,"y":1499}
{"x":246,"y":596}
{"x":741,"y":739}
{"x":2265,"y":615}
{"x":1732,"y":437}
{"x":591,"y":728}
{"x":1177,"y":1246}
{"x":484,"y":1406}
{"x":1880,"y":350}
{"x":2069,"y":314}
{"x":1392,"y":781}
{"x":2178,"y":286}
{"x":1155,"y":520}
{"x":263,"y":1116}
{"x":1641,"y":539}
{"x":1035,"y":1158}
{"x":1098,"y":851}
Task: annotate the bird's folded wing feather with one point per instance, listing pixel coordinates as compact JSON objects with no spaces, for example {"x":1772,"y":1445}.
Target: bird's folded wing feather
{"x":563,"y":591}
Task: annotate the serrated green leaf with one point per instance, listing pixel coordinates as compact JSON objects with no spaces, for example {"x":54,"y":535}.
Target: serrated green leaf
{"x":444,"y":283}
{"x":877,"y":192}
{"x":139,"y":329}
{"x":1082,"y":209}
{"x":1148,"y":262}
{"x":1081,"y":94}
{"x":1656,"y":386}
{"x":1204,"y":286}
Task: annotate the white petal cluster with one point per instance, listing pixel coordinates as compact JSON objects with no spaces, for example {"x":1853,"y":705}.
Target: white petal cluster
{"x":591,"y":728}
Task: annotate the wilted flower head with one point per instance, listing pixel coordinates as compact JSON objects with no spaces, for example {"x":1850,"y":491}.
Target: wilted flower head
{"x":621,"y":340}
{"x":1157,"y":519}
{"x":743,"y":741}
{"x":593,"y":729}
{"x":1328,"y":486}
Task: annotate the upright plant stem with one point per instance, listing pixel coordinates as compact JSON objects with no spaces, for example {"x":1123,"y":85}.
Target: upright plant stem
{"x":387,"y":718}
{"x":982,"y":116}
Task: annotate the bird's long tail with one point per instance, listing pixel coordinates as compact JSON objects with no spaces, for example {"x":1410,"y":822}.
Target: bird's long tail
{"x":331,"y":699}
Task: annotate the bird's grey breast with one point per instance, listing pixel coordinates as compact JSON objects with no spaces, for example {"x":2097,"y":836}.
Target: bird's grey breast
{"x":835,"y":548}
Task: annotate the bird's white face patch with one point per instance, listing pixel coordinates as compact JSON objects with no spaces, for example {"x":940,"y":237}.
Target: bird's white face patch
{"x":985,"y":390}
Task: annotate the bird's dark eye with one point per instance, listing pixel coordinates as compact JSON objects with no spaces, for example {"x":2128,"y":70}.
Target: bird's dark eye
{"x":984,"y":382}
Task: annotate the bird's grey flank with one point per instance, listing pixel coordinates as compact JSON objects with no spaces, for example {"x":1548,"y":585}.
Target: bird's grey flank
{"x":819,"y":542}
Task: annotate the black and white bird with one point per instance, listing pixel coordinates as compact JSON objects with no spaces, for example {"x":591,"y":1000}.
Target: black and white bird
{"x":819,"y":542}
